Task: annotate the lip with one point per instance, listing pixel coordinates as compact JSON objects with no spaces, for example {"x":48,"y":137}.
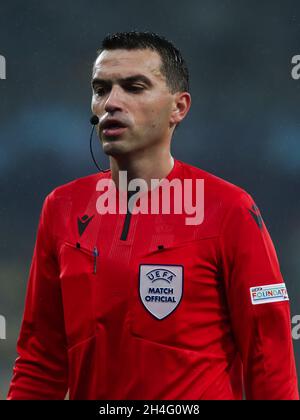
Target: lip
{"x":109,"y":122}
{"x":112,"y":127}
{"x":113,"y":132}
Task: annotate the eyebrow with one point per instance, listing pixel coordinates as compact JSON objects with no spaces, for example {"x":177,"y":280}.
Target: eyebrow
{"x":131,"y":79}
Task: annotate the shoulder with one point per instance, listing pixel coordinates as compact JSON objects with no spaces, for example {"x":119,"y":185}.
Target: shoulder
{"x":67,"y":201}
{"x":73,"y":194}
{"x":79,"y":187}
{"x":218,"y":190}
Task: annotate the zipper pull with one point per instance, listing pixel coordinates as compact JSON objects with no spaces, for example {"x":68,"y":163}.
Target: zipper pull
{"x":96,"y":254}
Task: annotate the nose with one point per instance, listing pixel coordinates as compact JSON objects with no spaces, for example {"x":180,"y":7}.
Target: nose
{"x":114,"y":101}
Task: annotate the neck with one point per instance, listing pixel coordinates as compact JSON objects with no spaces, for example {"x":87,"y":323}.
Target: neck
{"x":144,"y":167}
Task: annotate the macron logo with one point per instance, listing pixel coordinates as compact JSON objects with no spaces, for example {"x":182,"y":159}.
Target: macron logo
{"x":83,"y":223}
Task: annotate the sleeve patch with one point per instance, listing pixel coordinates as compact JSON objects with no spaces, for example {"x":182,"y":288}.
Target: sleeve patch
{"x":268,"y":294}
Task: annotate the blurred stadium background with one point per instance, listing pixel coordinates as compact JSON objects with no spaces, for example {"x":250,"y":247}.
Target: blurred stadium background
{"x":243,"y":125}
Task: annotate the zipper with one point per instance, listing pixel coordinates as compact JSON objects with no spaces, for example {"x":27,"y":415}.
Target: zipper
{"x":127,"y":220}
{"x":126,"y":225}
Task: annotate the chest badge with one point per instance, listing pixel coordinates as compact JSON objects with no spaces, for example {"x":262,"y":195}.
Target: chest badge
{"x":160,"y":288}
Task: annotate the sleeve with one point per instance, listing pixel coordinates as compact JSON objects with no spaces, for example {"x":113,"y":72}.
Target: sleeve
{"x":41,"y":370}
{"x":258,"y":304}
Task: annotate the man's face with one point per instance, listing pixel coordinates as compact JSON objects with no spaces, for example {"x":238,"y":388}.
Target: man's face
{"x":129,"y":90}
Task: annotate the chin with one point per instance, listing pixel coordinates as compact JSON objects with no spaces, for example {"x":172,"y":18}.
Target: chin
{"x":113,"y":149}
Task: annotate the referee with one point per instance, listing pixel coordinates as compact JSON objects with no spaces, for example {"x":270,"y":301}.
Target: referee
{"x":141,"y":304}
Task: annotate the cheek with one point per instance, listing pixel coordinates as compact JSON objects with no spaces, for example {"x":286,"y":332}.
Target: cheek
{"x":155,"y":115}
{"x":96,"y":105}
{"x":160,"y":119}
{"x":93,"y":104}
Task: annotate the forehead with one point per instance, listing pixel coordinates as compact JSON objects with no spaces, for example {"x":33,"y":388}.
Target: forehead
{"x":123,"y":63}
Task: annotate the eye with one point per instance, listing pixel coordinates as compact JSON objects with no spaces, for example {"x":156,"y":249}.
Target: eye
{"x":100,"y":91}
{"x":135,"y":88}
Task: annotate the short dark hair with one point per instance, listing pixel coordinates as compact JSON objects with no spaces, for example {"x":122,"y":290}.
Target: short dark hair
{"x":173,"y":65}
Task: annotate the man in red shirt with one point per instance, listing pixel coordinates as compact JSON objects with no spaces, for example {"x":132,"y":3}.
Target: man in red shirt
{"x":146,"y":305}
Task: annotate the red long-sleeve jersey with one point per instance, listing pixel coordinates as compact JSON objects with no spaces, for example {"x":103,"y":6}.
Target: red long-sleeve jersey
{"x":145,"y":306}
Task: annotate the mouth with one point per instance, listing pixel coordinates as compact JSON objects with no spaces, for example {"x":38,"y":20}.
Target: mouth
{"x":113,"y":128}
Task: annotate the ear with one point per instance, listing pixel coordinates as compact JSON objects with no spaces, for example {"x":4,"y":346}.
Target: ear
{"x":181,"y":106}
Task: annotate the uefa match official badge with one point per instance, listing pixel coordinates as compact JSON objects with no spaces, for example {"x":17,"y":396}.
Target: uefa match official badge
{"x":161,"y":288}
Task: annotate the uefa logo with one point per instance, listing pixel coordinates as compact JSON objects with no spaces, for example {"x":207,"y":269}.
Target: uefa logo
{"x":161,"y":288}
